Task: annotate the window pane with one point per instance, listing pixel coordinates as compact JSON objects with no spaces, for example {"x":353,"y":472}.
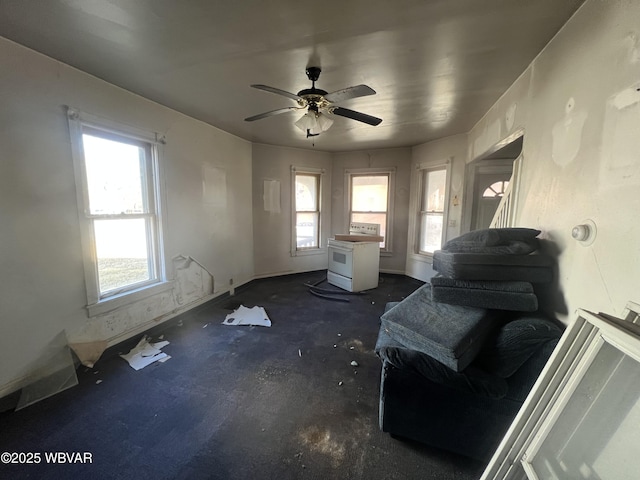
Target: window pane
{"x":496,"y":189}
{"x":433,"y":198}
{"x":307,"y":230}
{"x":122,"y":253}
{"x":379,"y":218}
{"x":369,"y":193}
{"x":431,"y":232}
{"x":597,"y":430}
{"x":115,"y":176}
{"x":306,"y":193}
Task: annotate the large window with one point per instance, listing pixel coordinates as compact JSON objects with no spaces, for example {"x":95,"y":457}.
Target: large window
{"x":117,"y":176}
{"x":432,"y":210}
{"x":370,"y":201}
{"x":307,"y":210}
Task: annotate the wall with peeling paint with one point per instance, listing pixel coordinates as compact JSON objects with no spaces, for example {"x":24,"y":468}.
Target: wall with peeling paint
{"x":504,"y":119}
{"x":579,"y":106}
{"x":209,"y":235}
{"x":272,"y":222}
{"x":582,"y":154}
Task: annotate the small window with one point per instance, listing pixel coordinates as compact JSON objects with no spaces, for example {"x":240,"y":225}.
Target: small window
{"x":307,"y":210}
{"x":432,"y":210}
{"x":117,"y":176}
{"x":496,"y":189}
{"x":369,"y":201}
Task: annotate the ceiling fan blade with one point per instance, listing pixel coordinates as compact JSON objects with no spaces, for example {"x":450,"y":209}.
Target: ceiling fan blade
{"x":348,"y":93}
{"x":361,"y":117}
{"x":277,"y":91}
{"x":271,"y":113}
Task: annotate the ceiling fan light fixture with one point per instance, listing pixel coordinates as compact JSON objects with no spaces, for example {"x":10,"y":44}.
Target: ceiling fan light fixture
{"x":319,"y":103}
{"x":306,"y":122}
{"x":324,"y":122}
{"x":313,"y":122}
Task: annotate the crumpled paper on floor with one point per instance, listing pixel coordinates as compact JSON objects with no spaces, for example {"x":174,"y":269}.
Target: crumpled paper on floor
{"x":145,"y":353}
{"x":248,"y":316}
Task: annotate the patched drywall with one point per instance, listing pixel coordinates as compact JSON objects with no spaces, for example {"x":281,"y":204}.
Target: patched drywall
{"x":272,"y":209}
{"x":621,"y":139}
{"x":503,"y":120}
{"x":510,"y":116}
{"x":566,"y":135}
{"x":581,"y":153}
{"x":578,"y":105}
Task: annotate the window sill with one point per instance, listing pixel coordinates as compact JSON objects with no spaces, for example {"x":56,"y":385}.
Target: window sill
{"x":310,"y":251}
{"x":117,"y":301}
{"x":422,"y":257}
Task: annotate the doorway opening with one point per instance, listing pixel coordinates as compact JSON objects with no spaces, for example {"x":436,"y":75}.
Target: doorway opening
{"x":490,"y":178}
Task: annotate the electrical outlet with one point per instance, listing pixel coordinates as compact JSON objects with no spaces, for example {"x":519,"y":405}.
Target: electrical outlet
{"x":452,"y":223}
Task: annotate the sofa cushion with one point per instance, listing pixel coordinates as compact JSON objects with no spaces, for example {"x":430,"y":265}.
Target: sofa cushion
{"x":532,"y":268}
{"x":511,"y":248}
{"x":516,"y":238}
{"x":517,"y":296}
{"x":472,"y":380}
{"x":515,"y":343}
{"x":451,"y":334}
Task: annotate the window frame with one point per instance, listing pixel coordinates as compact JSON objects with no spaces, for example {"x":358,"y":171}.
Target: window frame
{"x":372,"y":172}
{"x":423,"y":171}
{"x":504,"y":185}
{"x":98,"y":303}
{"x":319,"y":174}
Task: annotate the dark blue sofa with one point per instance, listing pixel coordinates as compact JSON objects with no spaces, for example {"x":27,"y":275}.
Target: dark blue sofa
{"x":460,"y":355}
{"x":467,"y":412}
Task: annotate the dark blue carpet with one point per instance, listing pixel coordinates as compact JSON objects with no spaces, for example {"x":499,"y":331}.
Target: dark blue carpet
{"x":237,"y":402}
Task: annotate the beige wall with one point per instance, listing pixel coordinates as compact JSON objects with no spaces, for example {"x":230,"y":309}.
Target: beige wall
{"x":272,"y":226}
{"x":396,"y":158}
{"x":272,"y":230}
{"x":578,"y":104}
{"x":450,"y":151}
{"x":579,"y":107}
{"x":42,"y":289}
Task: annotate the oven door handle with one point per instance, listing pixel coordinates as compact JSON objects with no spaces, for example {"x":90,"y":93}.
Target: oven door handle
{"x":340,"y":249}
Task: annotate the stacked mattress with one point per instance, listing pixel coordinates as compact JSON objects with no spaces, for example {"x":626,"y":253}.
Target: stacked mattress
{"x":492,"y":268}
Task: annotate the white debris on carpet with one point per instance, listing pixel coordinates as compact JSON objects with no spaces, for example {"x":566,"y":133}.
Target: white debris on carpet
{"x":145,"y":353}
{"x":248,"y":316}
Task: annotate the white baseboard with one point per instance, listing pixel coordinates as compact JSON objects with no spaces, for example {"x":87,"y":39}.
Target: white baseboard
{"x":22,"y":381}
{"x":18,"y":383}
{"x":143,"y":327}
{"x":393,"y":272}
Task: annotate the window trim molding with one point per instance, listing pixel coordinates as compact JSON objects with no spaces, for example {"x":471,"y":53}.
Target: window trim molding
{"x":96,"y":304}
{"x":321,"y":249}
{"x":421,"y":169}
{"x":391,"y":172}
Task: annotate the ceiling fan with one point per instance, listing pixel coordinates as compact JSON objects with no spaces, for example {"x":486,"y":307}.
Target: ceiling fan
{"x":319,"y":105}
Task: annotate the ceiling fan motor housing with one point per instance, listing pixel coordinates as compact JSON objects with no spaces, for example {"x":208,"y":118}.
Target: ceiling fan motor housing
{"x":313,"y":95}
{"x":313,"y":73}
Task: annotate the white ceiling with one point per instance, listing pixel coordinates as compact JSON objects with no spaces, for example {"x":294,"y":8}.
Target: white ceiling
{"x":436,"y":65}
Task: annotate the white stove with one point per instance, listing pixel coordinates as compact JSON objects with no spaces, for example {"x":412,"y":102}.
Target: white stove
{"x":354,"y":263}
